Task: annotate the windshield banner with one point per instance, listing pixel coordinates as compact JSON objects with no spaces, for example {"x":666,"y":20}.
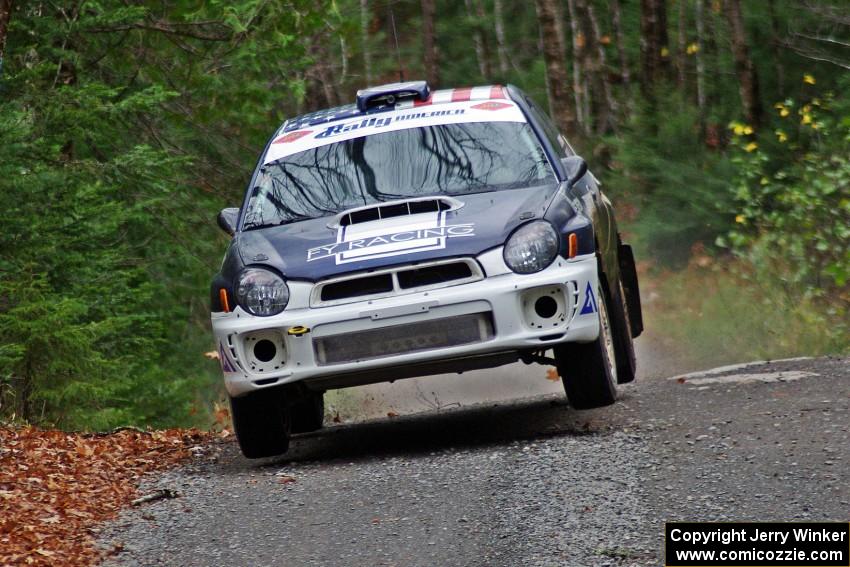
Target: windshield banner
{"x":311,"y":137}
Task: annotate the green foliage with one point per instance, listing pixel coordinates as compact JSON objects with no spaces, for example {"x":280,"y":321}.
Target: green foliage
{"x":720,"y":314}
{"x":106,"y":169}
{"x":793,"y":197}
{"x":125,"y":127}
{"x":680,"y":188}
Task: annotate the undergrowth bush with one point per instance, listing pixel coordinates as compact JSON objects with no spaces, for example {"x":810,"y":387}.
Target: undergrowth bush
{"x":708,"y":316}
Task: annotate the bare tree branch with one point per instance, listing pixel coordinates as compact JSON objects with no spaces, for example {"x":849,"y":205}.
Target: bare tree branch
{"x":185,"y":29}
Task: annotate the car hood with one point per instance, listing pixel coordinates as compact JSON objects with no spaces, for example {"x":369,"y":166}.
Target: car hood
{"x":318,"y":248}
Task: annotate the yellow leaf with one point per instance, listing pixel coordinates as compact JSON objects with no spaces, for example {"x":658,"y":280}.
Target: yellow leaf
{"x":807,"y":119}
{"x":764,"y":181}
{"x":748,"y":130}
{"x":784,"y":112}
{"x":751,"y":147}
{"x":692,"y":48}
{"x":740,"y":219}
{"x":781,"y":136}
{"x":665,"y":52}
{"x":808,"y":79}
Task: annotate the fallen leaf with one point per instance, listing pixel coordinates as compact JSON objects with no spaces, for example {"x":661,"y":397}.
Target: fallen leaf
{"x":680,"y":380}
{"x":285,"y":479}
{"x":552,"y":374}
{"x":66,"y":484}
{"x":392,"y":414}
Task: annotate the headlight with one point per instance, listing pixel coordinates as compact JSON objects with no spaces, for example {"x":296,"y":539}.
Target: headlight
{"x":261,"y":292}
{"x":531,"y":247}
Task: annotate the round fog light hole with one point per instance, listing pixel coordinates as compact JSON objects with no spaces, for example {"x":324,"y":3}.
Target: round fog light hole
{"x":545,"y":307}
{"x":265,"y":350}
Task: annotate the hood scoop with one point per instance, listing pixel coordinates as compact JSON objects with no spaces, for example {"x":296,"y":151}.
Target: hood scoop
{"x":395,"y":209}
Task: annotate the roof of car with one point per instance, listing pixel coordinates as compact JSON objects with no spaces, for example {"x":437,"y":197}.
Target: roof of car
{"x":486,"y":92}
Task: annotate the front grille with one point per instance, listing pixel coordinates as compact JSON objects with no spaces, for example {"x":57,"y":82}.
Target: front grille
{"x":403,"y":339}
{"x":431,"y":275}
{"x":370,"y":285}
{"x":396,"y":281}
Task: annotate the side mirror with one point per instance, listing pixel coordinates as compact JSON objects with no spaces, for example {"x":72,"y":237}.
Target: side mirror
{"x":575,"y":167}
{"x":227,"y":220}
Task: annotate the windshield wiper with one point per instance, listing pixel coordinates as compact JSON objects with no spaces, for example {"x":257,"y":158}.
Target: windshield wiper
{"x":270,"y":224}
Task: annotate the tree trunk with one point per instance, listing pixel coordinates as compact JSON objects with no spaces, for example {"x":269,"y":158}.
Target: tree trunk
{"x":579,"y":94}
{"x":475,"y":12}
{"x":321,"y":72}
{"x":744,"y":69}
{"x":654,"y":44}
{"x":429,"y":44}
{"x":616,"y":20}
{"x":556,"y":72}
{"x":501,"y":42}
{"x":775,"y":42}
{"x":343,"y":62}
{"x":700,"y":57}
{"x":606,"y":122}
{"x":593,"y":62}
{"x":681,"y":44}
{"x":5,"y":16}
{"x":365,"y":18}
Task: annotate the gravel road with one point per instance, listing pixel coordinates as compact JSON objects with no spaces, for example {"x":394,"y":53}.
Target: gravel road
{"x":522,"y":482}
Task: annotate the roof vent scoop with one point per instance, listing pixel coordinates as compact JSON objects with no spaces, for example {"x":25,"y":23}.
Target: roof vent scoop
{"x":391,"y":94}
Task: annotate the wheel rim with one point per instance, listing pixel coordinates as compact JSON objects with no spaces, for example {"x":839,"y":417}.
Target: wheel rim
{"x":607,"y":336}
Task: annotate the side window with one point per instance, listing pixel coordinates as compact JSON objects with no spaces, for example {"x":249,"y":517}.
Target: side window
{"x":558,"y":141}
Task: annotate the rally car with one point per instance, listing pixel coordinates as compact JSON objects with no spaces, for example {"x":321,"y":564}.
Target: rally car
{"x":417,"y":232}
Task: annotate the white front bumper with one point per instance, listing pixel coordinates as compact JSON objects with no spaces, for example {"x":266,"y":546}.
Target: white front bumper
{"x":500,"y":295}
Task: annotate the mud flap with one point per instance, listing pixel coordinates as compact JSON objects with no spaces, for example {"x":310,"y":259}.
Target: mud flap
{"x":630,"y":283}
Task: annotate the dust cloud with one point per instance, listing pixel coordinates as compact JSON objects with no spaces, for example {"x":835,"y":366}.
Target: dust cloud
{"x":444,"y":391}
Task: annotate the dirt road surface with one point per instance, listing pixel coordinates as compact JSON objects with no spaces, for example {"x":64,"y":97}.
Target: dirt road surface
{"x":526,"y":481}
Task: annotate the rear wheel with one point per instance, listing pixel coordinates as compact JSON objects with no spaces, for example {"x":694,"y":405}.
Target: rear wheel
{"x":262,"y":424}
{"x":309,"y":413}
{"x":589,"y":370}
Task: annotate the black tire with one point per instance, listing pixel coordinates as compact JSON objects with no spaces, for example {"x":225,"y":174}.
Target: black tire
{"x":308,"y":414}
{"x":588,"y":370}
{"x":262,"y":424}
{"x":624,"y":346}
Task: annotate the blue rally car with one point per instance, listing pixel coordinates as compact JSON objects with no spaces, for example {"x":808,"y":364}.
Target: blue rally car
{"x":417,"y":232}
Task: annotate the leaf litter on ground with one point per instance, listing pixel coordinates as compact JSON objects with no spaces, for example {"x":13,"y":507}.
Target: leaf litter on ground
{"x":56,"y":487}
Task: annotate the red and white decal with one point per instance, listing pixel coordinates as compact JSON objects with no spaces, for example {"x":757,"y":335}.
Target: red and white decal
{"x":451,"y":106}
{"x":292,"y":136}
{"x":491,"y":105}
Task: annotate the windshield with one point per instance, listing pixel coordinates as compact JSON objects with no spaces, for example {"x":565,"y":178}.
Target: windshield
{"x":449,"y":159}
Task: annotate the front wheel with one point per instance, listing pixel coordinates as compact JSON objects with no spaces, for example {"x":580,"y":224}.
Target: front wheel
{"x":308,"y":414}
{"x":624,"y":347}
{"x":589,"y":370}
{"x":262,"y":424}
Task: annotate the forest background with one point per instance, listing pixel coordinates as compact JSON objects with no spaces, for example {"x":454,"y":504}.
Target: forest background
{"x":720,"y":128}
